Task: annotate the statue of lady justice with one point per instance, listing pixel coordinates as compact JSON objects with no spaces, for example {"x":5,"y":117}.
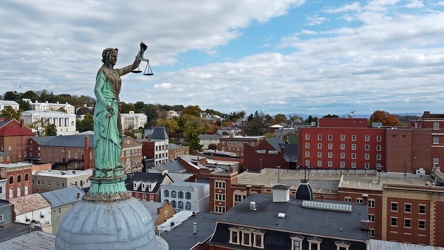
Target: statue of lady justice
{"x":108,"y":175}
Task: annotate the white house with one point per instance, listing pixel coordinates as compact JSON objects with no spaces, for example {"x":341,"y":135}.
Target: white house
{"x":33,"y":208}
{"x":134,"y":120}
{"x":45,"y":106}
{"x":187,"y":196}
{"x":14,"y":105}
{"x":64,"y":122}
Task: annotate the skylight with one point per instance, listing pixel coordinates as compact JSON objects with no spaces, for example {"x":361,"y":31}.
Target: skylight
{"x":327,"y":206}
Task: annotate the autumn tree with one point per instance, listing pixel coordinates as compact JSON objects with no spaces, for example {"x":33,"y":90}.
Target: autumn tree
{"x":385,"y":117}
{"x":170,"y":125}
{"x":9,"y":113}
{"x":280,"y":118}
{"x":192,"y":110}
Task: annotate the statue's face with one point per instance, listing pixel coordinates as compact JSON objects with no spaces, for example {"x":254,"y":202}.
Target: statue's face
{"x":114,"y":57}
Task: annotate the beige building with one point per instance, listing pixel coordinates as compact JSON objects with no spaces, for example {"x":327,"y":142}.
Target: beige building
{"x":49,"y":180}
{"x":134,"y":120}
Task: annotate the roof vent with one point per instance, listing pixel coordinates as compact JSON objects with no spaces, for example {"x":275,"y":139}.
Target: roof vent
{"x":253,"y":206}
{"x":281,"y":215}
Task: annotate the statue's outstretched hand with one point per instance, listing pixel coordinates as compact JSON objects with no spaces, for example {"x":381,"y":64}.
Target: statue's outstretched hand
{"x":143,"y":46}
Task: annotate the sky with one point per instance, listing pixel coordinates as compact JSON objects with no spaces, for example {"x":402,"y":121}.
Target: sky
{"x":272,"y":56}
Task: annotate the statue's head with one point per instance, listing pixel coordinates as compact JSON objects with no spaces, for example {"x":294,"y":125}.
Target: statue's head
{"x":109,"y":55}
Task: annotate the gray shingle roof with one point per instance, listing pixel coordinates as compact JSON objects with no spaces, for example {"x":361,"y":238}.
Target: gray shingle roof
{"x":63,"y":196}
{"x":69,"y":141}
{"x":182,"y":237}
{"x":159,"y":133}
{"x":298,"y":219}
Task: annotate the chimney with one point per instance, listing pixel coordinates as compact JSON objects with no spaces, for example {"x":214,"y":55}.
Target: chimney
{"x":22,"y":123}
{"x":248,"y":190}
{"x":253,"y":206}
{"x":78,"y":196}
{"x":86,"y":152}
{"x":365,"y":224}
{"x":194,"y":227}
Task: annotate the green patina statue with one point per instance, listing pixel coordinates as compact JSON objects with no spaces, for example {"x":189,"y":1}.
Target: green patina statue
{"x":108,"y":178}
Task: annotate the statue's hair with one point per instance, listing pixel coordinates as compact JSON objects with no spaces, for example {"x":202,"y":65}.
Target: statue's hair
{"x":107,"y":53}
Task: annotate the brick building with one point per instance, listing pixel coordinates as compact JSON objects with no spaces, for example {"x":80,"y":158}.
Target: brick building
{"x":342,"y":143}
{"x":18,"y":179}
{"x":270,"y":153}
{"x":131,"y":155}
{"x":64,"y":152}
{"x":14,"y":137}
{"x":235,"y":144}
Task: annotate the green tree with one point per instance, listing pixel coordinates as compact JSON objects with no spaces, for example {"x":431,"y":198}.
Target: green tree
{"x":170,"y":125}
{"x":9,"y":113}
{"x":87,"y":124}
{"x":194,"y":127}
{"x":330,"y":116}
{"x":50,"y":130}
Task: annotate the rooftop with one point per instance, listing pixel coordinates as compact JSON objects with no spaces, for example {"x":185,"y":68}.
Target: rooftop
{"x":62,"y":174}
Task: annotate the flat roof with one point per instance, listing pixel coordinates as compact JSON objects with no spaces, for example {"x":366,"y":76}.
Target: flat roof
{"x":14,"y":165}
{"x":328,"y":181}
{"x":58,"y":173}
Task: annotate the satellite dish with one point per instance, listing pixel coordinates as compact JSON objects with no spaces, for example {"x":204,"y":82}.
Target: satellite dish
{"x":351,"y":114}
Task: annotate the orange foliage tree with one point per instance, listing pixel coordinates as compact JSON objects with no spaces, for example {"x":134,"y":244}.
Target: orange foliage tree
{"x":385,"y":117}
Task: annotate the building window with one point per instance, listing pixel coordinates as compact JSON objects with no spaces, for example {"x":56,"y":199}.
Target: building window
{"x":367,"y":138}
{"x":394,"y":206}
{"x":342,"y":137}
{"x":319,"y":137}
{"x":319,"y":163}
{"x":330,"y":146}
{"x":330,"y":164}
{"x":296,"y":242}
{"x":342,"y":245}
{"x":220,"y":197}
{"x":378,"y":157}
{"x":319,"y":145}
{"x":1,"y":217}
{"x":359,"y":200}
{"x":367,"y":156}
{"x":258,"y":239}
{"x":371,"y":232}
{"x":347,"y":199}
{"x":330,"y":137}
{"x":330,"y":155}
{"x":371,"y":203}
{"x":314,"y":243}
{"x":342,"y":146}
{"x":11,"y":179}
{"x":421,"y":224}
{"x":342,"y":155}
{"x":378,"y":147}
{"x":353,"y":146}
{"x":246,"y":238}
{"x":353,"y":137}
{"x":319,"y":154}
{"x":353,"y":155}
{"x":188,"y":206}
{"x":435,"y":140}
{"x":173,"y":203}
{"x":234,"y":236}
{"x":394,"y":221}
{"x":378,"y":138}
{"x":407,"y":223}
{"x":436,"y":160}
{"x":180,"y":204}
{"x":436,"y":126}
{"x":19,"y":178}
{"x":188,"y":195}
{"x":307,"y":136}
{"x":220,"y":209}
{"x":353,"y":164}
{"x":366,"y":165}
{"x":422,"y":209}
{"x":342,"y":164}
{"x":11,"y":193}
{"x":407,"y":208}
{"x":180,"y":195}
{"x":173,"y":194}
{"x":367,"y":147}
{"x":220,"y":184}
{"x":307,"y":153}
{"x":371,"y":217}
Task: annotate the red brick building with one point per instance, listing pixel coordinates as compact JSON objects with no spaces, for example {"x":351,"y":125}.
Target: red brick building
{"x":342,"y":143}
{"x":14,"y":137}
{"x":235,"y":144}
{"x":18,"y":179}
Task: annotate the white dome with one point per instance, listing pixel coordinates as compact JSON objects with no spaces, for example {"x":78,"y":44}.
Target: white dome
{"x":119,"y":225}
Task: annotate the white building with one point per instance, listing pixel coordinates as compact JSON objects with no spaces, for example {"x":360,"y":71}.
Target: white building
{"x":161,"y":141}
{"x":13,"y":104}
{"x":134,"y":120}
{"x":50,"y":180}
{"x":33,"y":208}
{"x":64,"y":122}
{"x":45,"y":106}
{"x":187,"y":196}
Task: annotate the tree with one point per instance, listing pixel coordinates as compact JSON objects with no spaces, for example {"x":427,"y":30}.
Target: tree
{"x":330,"y":116}
{"x":50,"y":130}
{"x":385,"y":117}
{"x":9,"y":113}
{"x":192,"y":110}
{"x":87,"y":124}
{"x":194,"y":127}
{"x":170,"y":125}
{"x":280,"y":118}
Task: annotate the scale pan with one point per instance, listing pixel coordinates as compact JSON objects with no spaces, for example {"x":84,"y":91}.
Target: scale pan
{"x":136,"y":71}
{"x":148,"y":74}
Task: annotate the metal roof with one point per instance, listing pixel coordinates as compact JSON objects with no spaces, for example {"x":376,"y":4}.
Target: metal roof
{"x":77,"y":140}
{"x":64,"y":196}
{"x":28,"y":203}
{"x":33,"y":240}
{"x":159,"y":133}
